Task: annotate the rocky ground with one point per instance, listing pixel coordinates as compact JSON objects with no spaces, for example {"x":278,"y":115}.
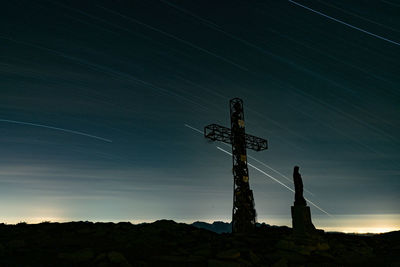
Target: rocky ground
{"x":166,"y":243}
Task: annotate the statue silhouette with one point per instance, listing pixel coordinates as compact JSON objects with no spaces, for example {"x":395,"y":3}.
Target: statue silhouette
{"x":298,"y":188}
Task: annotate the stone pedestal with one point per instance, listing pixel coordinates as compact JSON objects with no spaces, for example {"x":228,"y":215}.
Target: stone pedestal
{"x":301,"y":221}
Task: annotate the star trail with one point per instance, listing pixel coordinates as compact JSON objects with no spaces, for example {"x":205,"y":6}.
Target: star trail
{"x":102,"y":109}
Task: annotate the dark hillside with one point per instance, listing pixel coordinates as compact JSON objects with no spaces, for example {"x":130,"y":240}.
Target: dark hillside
{"x":166,"y":243}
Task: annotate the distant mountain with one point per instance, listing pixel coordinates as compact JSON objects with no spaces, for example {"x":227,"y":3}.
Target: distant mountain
{"x":220,"y":227}
{"x":216,"y":227}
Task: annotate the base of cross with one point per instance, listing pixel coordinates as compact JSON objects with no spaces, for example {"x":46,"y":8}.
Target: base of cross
{"x":301,"y":222}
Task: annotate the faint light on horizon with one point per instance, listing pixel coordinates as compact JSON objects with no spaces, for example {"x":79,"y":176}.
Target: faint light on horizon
{"x":362,"y":230}
{"x":359,"y":223}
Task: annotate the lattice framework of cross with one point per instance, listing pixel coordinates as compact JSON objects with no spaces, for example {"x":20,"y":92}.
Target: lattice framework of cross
{"x":243,"y":213}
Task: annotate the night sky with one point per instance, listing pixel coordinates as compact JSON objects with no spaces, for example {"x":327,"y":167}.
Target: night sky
{"x":95,"y":96}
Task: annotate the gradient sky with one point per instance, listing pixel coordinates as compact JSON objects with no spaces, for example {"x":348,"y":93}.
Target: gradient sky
{"x":95,"y":95}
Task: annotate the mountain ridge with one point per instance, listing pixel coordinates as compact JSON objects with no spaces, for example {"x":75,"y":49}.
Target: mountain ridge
{"x":168,"y":243}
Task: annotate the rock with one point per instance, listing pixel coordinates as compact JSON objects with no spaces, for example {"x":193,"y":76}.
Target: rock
{"x":253,"y":257}
{"x":292,"y":257}
{"x":306,"y":250}
{"x":195,"y":258}
{"x":171,"y":259}
{"x":118,"y":258}
{"x":323,"y":246}
{"x":16,"y":244}
{"x":205,"y":252}
{"x":365,"y":250}
{"x":83,"y":255}
{"x":219,"y":263}
{"x":231,"y":254}
{"x":281,"y":263}
{"x":286,"y":245}
{"x":101,"y":257}
{"x":84,"y":231}
{"x":324,"y":254}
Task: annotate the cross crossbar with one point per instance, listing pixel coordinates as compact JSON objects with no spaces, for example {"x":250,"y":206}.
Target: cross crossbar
{"x":220,"y":133}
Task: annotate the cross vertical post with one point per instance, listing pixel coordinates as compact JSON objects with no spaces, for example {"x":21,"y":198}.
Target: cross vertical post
{"x":243,"y":212}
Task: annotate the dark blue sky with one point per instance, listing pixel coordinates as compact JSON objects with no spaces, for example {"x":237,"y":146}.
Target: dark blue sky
{"x":319,"y":80}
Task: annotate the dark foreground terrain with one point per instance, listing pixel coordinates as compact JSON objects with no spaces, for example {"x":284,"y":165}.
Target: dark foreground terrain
{"x":166,"y":243}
